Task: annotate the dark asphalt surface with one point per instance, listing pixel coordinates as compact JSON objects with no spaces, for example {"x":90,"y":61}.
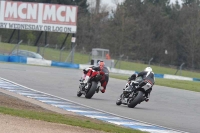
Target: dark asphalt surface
{"x":168,"y":107}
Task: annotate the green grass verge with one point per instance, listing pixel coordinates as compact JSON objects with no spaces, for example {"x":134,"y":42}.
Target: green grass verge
{"x":63,"y":119}
{"x":157,"y":69}
{"x":179,"y":84}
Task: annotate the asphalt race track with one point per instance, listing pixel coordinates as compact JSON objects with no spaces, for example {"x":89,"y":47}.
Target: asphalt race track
{"x":168,"y":107}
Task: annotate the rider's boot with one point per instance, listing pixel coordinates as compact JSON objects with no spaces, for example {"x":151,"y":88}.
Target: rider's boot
{"x":147,"y":97}
{"x":102,"y":89}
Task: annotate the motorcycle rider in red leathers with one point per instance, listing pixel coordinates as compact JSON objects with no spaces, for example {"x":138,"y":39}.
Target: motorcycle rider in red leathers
{"x":92,"y":71}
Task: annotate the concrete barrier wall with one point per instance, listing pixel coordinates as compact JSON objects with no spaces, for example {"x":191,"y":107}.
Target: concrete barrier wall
{"x":32,"y":61}
{"x":167,"y":76}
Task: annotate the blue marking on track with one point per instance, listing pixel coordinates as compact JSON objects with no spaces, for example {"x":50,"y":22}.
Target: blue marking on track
{"x":82,"y":110}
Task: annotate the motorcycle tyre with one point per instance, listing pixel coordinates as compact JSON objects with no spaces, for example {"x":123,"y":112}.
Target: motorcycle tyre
{"x":136,"y":100}
{"x":92,"y":90}
{"x":118,"y":102}
{"x":79,"y":93}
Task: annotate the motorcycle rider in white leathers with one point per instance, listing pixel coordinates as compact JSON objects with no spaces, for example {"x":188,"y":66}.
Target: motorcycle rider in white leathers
{"x":147,"y":74}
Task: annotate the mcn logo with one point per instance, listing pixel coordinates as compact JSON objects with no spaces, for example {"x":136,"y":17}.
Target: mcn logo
{"x":18,"y":11}
{"x":50,"y":13}
{"x":59,"y":14}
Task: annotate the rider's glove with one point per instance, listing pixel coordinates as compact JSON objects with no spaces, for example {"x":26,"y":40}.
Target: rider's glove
{"x":133,"y":77}
{"x":84,"y":71}
{"x":129,"y":80}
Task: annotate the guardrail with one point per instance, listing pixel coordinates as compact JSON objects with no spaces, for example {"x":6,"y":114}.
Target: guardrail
{"x":32,"y":61}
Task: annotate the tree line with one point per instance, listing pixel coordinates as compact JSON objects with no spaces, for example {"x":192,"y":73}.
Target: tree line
{"x":139,"y":30}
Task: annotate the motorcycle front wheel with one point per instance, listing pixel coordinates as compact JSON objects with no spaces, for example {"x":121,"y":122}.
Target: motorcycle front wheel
{"x":79,"y":93}
{"x":119,"y":101}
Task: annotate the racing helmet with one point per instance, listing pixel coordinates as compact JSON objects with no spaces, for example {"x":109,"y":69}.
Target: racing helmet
{"x":148,"y":69}
{"x":101,"y":64}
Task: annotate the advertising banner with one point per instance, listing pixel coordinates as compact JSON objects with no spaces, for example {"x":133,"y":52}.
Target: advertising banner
{"x":38,"y":16}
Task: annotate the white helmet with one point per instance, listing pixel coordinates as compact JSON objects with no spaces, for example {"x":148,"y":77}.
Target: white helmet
{"x":148,"y":69}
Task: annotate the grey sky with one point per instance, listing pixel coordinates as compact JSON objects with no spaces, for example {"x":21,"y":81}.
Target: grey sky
{"x":111,"y":3}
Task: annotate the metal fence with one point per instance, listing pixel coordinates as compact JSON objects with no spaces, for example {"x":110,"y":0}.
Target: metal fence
{"x":66,"y":54}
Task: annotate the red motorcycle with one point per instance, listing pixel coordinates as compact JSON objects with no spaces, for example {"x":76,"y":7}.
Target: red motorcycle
{"x":88,"y":89}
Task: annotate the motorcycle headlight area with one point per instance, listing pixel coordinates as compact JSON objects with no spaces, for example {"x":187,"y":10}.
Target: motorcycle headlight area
{"x":128,"y":89}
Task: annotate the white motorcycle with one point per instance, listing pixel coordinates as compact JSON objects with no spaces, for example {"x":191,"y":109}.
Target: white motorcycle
{"x":133,"y":94}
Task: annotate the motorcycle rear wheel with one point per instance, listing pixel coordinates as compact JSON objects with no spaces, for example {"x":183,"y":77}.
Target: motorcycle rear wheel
{"x":136,"y":100}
